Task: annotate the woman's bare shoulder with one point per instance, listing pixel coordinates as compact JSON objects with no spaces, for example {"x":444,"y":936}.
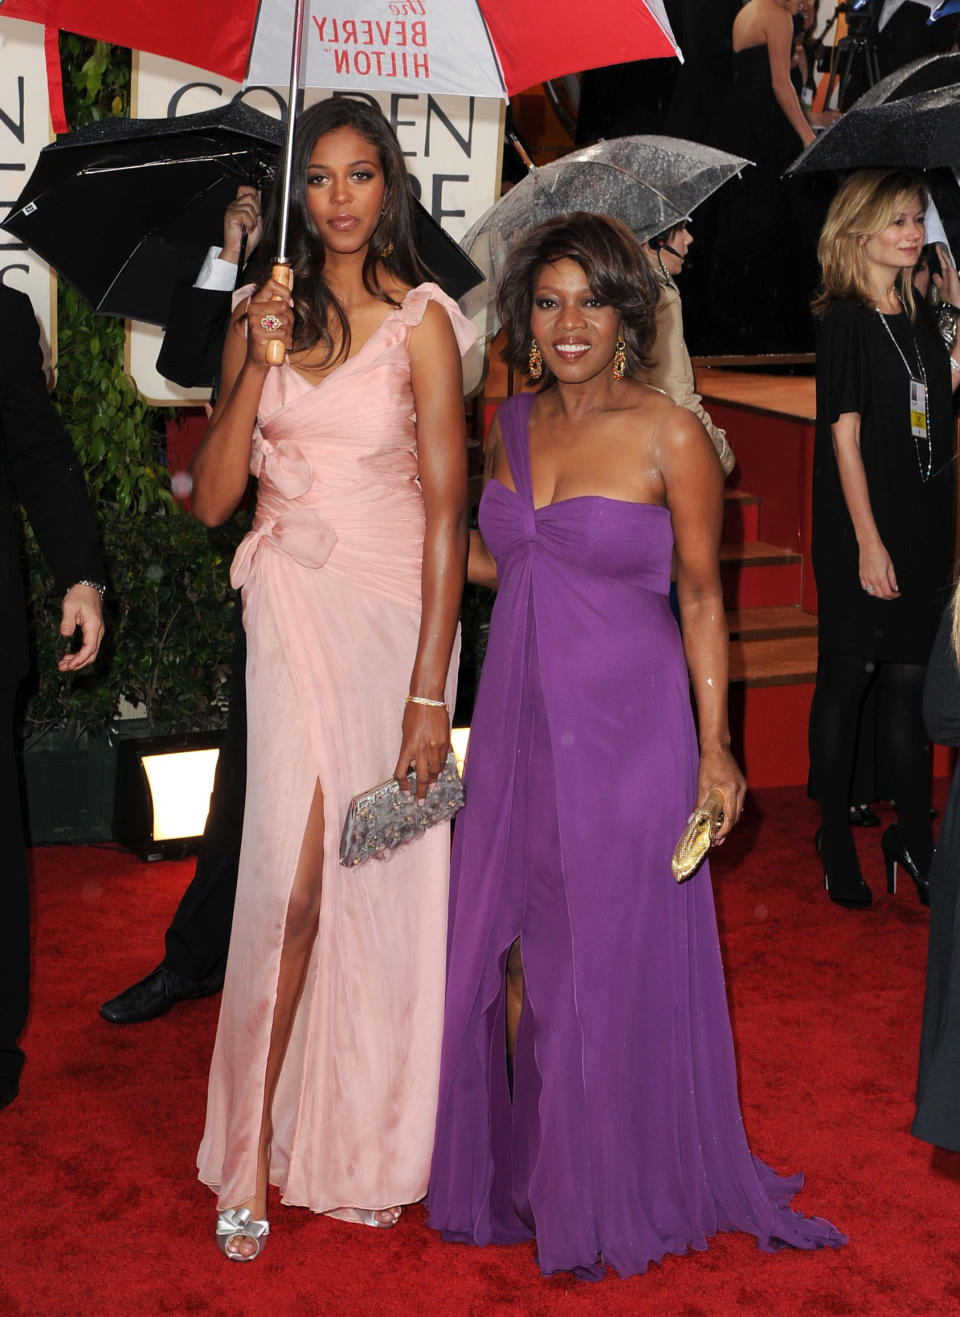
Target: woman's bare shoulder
{"x":646,"y":400}
{"x":432,"y":338}
{"x":656,"y":427}
{"x":757,"y":21}
{"x":654,"y":417}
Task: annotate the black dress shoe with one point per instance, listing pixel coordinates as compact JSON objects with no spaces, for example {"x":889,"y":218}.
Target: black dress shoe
{"x":155,"y":994}
{"x":7,"y":1096}
{"x":862,"y":816}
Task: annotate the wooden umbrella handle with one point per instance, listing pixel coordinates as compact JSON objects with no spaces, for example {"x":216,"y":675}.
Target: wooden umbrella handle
{"x":276,"y":349}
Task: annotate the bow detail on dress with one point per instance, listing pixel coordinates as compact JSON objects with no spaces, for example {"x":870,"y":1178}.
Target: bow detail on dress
{"x":283,"y":464}
{"x":299,"y":533}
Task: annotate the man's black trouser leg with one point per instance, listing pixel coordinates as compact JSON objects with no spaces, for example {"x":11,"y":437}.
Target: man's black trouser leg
{"x":14,"y":905}
{"x":198,"y":936}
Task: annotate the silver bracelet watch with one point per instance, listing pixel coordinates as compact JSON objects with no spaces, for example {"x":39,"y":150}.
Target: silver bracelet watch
{"x":100,"y":588}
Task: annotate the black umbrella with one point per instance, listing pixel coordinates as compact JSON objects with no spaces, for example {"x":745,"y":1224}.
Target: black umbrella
{"x":911,"y":120}
{"x":126,"y":209}
{"x":929,"y":73}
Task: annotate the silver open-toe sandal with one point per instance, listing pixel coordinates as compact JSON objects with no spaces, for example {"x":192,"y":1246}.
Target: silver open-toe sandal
{"x":236,"y":1222}
{"x":368,"y":1217}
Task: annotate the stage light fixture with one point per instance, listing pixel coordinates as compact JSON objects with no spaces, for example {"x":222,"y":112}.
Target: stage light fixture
{"x":459,"y":736}
{"x":163,"y":793}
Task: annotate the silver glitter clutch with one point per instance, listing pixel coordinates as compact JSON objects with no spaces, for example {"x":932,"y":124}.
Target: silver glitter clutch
{"x":384,"y":818}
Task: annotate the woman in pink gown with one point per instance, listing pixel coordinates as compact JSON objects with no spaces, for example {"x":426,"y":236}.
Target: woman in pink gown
{"x":324,"y":1074}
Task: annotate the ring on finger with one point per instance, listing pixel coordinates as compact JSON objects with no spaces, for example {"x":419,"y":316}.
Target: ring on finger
{"x":271,"y":323}
{"x":869,"y":589}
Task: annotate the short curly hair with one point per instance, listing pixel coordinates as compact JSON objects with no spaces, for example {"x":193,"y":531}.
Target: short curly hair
{"x":612,"y":260}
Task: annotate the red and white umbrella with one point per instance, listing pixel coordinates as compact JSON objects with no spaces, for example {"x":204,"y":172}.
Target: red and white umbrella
{"x":454,"y":47}
{"x":460,"y":47}
{"x":457,"y":47}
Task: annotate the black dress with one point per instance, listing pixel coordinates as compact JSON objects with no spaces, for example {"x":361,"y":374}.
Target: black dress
{"x":938,"y":1086}
{"x":758,"y":233}
{"x":860,"y":370}
{"x":751,"y":122}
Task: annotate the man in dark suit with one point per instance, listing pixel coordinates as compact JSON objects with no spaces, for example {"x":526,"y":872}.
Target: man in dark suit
{"x":41,"y":473}
{"x":196,"y":942}
{"x":199,"y":312}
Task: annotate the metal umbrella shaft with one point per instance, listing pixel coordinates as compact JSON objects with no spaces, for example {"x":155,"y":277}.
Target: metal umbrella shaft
{"x":276,"y":351}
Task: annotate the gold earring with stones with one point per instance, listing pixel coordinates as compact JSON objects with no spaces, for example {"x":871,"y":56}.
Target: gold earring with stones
{"x":620,"y":360}
{"x":535,"y":361}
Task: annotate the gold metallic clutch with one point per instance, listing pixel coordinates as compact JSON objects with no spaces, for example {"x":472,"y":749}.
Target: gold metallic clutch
{"x":697,"y":837}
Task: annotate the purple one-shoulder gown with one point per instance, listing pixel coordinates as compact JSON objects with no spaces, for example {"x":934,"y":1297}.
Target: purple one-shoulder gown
{"x":623,"y":1138}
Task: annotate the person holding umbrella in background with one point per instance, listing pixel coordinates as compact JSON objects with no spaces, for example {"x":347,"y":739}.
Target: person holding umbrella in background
{"x":671,"y":369}
{"x":197,"y":939}
{"x":200,"y":311}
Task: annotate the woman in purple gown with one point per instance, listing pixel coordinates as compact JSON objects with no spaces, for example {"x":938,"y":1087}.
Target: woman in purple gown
{"x":588,"y":1087}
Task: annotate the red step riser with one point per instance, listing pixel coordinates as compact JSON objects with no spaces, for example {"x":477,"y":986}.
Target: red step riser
{"x":741,"y":522}
{"x":754,"y":587}
{"x":768,"y":725}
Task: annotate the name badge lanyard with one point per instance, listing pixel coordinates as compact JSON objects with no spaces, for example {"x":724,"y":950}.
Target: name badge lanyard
{"x":919,"y":403}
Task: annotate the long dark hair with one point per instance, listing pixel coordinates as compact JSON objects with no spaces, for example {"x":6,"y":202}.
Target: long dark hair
{"x":617,"y":270}
{"x":313,"y":300}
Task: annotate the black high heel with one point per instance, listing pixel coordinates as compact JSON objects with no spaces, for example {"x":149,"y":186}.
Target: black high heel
{"x":894,"y":853}
{"x":847,"y":888}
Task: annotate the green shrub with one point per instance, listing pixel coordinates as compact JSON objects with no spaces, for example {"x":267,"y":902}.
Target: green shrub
{"x":169,"y":603}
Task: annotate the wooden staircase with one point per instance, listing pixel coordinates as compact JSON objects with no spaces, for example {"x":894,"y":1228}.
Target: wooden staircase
{"x":773,"y":646}
{"x":767,"y":574}
{"x":773,"y":642}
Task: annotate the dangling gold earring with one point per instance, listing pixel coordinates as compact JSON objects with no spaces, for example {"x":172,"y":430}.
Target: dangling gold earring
{"x":535,"y":361}
{"x":620,"y":360}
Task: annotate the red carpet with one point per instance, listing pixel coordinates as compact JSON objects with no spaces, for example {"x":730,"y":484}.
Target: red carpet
{"x":102,"y":1213}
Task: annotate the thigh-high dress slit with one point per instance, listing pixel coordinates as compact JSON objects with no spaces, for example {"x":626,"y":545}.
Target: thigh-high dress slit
{"x":622,"y":1139}
{"x":330,"y":576}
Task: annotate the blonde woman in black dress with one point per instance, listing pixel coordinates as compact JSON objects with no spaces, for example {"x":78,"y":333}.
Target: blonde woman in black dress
{"x":883,"y":483}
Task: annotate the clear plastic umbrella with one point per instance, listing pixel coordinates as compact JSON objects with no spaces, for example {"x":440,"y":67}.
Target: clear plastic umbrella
{"x":650,"y":183}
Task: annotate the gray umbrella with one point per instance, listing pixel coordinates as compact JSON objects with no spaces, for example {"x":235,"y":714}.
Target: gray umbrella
{"x":911,"y":119}
{"x":650,"y":183}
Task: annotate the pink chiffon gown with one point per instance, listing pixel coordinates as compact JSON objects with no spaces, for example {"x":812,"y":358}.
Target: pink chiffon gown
{"x":330,"y":580}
